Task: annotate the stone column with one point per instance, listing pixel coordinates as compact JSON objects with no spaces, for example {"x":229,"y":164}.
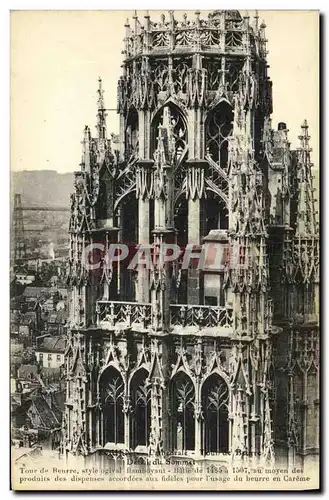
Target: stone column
{"x":143,"y":191}
{"x":90,"y":441}
{"x":143,"y":239}
{"x":193,"y":279}
{"x":198,"y":421}
{"x":101,"y":428}
{"x":141,"y":134}
{"x":159,"y":431}
{"x":191,"y":114}
{"x":97,"y":421}
{"x":127,"y":417}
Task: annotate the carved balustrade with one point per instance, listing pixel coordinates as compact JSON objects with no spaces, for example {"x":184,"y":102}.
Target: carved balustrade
{"x":201,"y":316}
{"x":130,"y":314}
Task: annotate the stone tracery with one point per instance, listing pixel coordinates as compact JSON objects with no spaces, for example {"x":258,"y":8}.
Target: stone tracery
{"x":196,"y":153}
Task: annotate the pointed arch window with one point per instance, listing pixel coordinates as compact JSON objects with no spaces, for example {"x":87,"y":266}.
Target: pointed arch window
{"x":215,"y":415}
{"x":214,"y":73}
{"x":176,"y":122}
{"x":128,"y":220}
{"x":141,"y":409}
{"x":113,"y":392}
{"x":104,"y":207}
{"x":131,"y":136}
{"x":218,"y":129}
{"x":183,"y":424}
{"x":214,"y":212}
{"x":181,"y":78}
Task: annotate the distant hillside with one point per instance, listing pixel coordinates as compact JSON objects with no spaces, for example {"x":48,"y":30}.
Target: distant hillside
{"x":49,"y":188}
{"x":42,"y":187}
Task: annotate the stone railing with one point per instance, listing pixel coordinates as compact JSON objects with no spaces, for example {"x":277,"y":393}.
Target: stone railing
{"x":137,"y":315}
{"x":201,"y":316}
{"x":127,"y":313}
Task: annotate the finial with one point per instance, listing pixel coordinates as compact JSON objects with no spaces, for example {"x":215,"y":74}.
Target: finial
{"x":135,"y":14}
{"x":172,"y":19}
{"x":101,"y":115}
{"x":100,"y":92}
{"x":305,"y":124}
{"x":256,"y":17}
{"x":86,"y":133}
{"x":147,"y":22}
{"x":127,"y":25}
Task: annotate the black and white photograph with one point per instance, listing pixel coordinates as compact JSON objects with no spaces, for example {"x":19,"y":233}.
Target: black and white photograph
{"x":165,"y":248}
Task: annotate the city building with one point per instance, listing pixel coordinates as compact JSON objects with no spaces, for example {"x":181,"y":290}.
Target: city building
{"x":25,"y":277}
{"x":50,"y":352}
{"x":202,"y":362}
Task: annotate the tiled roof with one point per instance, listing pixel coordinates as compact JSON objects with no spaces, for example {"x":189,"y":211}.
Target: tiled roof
{"x":59,"y":404}
{"x":47,"y":416}
{"x":35,"y":291}
{"x":52,"y":318}
{"x":27,"y":317}
{"x":52,"y":344}
{"x":50,"y":374}
{"x":14,"y":316}
{"x":27,"y":371}
{"x":62,"y":316}
{"x":16,"y":348}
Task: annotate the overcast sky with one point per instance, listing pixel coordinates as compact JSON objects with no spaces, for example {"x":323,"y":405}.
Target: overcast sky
{"x":57,"y":57}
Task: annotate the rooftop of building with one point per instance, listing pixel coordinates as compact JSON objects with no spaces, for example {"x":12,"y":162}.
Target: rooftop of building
{"x":52,"y":344}
{"x":47,"y":416}
{"x":50,"y":376}
{"x":26,"y":372}
{"x":36,"y":291}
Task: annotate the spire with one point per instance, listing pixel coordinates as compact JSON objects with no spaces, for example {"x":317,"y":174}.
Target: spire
{"x":101,"y":114}
{"x":256,"y":19}
{"x":85,"y":160}
{"x":262,"y":40}
{"x":166,"y":140}
{"x":306,"y":221}
{"x":136,"y":23}
{"x":147,"y":20}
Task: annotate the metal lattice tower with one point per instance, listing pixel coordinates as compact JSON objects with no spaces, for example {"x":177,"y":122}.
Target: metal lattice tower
{"x":19,"y":245}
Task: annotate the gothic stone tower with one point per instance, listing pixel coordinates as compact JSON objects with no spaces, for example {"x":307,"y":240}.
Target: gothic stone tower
{"x":174,"y":361}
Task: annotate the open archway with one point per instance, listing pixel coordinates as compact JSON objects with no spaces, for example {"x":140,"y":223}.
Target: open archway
{"x":131,"y":133}
{"x":182,"y":395}
{"x":128,"y":221}
{"x":214,"y":213}
{"x":112,"y":388}
{"x":140,"y":395}
{"x":215,"y":432}
{"x":170,"y":114}
{"x":218,"y":128}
